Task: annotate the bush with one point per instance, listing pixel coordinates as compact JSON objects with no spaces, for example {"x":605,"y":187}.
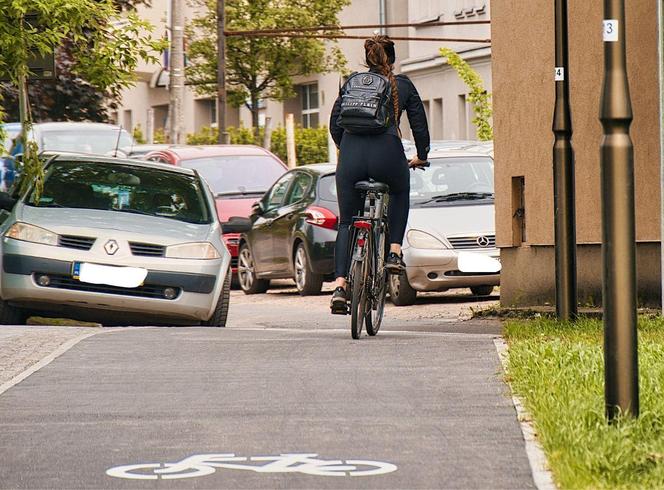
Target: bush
{"x":159,"y":136}
{"x":310,"y":143}
{"x":239,"y":136}
{"x":138,"y":135}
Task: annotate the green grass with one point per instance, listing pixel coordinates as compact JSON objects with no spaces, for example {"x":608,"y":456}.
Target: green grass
{"x":558,"y":370}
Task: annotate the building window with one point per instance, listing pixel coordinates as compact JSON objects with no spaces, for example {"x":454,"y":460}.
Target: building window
{"x":518,"y":210}
{"x":213,"y":112}
{"x":310,"y":106}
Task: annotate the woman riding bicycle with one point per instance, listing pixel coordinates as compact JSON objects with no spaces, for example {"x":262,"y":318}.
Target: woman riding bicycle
{"x":379,"y":156}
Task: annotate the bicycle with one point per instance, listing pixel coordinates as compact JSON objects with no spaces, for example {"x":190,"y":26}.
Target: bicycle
{"x":367,"y":277}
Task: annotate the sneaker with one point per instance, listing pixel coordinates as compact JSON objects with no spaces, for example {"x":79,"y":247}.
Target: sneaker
{"x":394,"y":263}
{"x":338,"y":304}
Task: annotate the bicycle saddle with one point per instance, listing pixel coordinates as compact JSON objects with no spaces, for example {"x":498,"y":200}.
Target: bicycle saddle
{"x":372,"y":186}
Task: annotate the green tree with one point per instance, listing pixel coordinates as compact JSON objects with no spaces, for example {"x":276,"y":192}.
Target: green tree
{"x":259,"y":68}
{"x":478,"y":96}
{"x":105,"y":43}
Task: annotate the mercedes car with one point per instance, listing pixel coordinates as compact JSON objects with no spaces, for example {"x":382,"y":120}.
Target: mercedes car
{"x":113,"y":241}
{"x":450,"y":238}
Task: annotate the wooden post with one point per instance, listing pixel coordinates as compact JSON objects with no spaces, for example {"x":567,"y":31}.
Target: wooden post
{"x":290,"y":141}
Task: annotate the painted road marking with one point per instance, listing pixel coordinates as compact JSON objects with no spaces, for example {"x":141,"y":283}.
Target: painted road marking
{"x":206,"y":464}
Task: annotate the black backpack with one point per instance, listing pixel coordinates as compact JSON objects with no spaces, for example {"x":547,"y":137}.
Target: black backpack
{"x":366,"y":104}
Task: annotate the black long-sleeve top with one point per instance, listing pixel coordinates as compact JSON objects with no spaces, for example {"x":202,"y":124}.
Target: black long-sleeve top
{"x":409,"y":100}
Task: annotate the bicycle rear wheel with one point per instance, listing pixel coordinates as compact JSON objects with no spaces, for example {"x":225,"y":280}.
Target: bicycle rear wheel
{"x":359,"y":297}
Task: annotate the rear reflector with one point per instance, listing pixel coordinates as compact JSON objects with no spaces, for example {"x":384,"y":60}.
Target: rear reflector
{"x":322,"y":217}
{"x":362,"y":224}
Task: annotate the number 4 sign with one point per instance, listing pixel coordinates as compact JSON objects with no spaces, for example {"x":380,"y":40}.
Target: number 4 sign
{"x":610,"y":30}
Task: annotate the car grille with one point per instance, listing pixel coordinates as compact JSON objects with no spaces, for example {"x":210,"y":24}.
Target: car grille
{"x":147,"y":249}
{"x":77,"y":242}
{"x":58,"y":281}
{"x":467,"y":242}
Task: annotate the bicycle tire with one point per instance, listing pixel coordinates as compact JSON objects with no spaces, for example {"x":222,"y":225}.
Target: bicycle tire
{"x":358,"y":299}
{"x":374,"y":317}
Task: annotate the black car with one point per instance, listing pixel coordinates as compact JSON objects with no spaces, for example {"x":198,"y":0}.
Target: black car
{"x":293,"y":231}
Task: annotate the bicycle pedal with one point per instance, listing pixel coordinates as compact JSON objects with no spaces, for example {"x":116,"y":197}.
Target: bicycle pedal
{"x":340,"y":309}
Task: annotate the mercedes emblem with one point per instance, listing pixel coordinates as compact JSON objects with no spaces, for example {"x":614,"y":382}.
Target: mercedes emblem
{"x":483,"y":241}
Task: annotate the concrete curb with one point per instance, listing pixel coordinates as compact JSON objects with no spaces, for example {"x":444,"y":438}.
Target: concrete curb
{"x":538,"y":464}
{"x":44,"y":361}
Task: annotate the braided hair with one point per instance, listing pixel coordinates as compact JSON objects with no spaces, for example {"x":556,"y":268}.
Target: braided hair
{"x":380,"y":56}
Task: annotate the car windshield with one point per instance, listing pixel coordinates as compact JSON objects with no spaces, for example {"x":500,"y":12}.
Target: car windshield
{"x":123,"y":188}
{"x":98,"y":141}
{"x":452,"y":179}
{"x":237,"y":174}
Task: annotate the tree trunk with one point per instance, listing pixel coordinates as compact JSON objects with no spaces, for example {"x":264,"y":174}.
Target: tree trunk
{"x":254,"y":116}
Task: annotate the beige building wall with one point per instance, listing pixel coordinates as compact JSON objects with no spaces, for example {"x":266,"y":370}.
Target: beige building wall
{"x":442,"y":92}
{"x":523,"y":93}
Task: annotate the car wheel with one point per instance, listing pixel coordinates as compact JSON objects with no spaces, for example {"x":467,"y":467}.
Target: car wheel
{"x":246,"y":272}
{"x":481,"y":290}
{"x":306,"y":281}
{"x":401,"y":292}
{"x":220,"y":314}
{"x":10,"y":315}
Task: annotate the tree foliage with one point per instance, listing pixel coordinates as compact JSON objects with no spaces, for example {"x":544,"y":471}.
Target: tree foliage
{"x":478,"y":96}
{"x":261,"y":67}
{"x":105,"y":47}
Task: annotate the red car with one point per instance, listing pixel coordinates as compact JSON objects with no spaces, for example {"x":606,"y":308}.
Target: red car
{"x":238,"y":176}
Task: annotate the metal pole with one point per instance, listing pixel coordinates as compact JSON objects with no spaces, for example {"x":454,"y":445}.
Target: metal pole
{"x":563,"y":177}
{"x":618,"y":222}
{"x":382,"y":16}
{"x":176,"y":71}
{"x":221,"y":73}
{"x":660,"y":49}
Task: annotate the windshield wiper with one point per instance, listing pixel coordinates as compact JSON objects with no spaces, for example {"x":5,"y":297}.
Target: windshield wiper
{"x":50,"y":205}
{"x":134,"y":211}
{"x":459,"y":196}
{"x":239,"y":192}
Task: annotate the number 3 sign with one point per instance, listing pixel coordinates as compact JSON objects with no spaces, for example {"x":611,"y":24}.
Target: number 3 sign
{"x":610,"y":30}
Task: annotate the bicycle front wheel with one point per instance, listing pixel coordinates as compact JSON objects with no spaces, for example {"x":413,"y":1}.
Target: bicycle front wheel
{"x":374,"y":317}
{"x":359,"y":297}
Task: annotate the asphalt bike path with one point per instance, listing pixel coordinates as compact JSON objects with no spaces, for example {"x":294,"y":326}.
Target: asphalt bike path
{"x":264,"y":408}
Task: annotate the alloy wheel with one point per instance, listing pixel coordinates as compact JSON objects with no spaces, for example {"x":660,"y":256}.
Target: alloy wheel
{"x":300,"y":268}
{"x":245,"y":269}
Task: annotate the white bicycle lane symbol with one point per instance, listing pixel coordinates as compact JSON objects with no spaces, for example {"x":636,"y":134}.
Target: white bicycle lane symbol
{"x":206,"y":464}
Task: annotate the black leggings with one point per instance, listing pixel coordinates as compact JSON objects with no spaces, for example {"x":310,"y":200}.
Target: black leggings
{"x":381,"y":158}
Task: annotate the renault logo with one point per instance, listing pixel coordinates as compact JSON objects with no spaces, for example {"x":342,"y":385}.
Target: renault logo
{"x":111,"y":247}
{"x":483,"y":241}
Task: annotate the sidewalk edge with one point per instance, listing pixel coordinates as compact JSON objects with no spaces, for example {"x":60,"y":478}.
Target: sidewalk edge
{"x":44,"y":361}
{"x":538,"y":464}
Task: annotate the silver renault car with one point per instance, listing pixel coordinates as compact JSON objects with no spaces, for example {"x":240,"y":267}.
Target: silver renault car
{"x":114,"y":241}
{"x":450,"y":238}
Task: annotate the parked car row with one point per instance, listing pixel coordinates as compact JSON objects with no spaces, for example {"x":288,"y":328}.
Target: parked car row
{"x":159,"y":240}
{"x":449,"y":243}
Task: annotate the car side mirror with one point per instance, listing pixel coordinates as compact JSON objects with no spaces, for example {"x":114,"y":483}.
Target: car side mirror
{"x":236,"y":225}
{"x":258,"y":208}
{"x":7,"y":202}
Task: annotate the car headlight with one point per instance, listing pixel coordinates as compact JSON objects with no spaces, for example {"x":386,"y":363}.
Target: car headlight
{"x":31,"y":233}
{"x":420,"y":239}
{"x":196,"y":250}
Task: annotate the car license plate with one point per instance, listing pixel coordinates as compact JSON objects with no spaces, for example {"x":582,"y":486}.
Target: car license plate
{"x":477,"y":263}
{"x":124,"y":277}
